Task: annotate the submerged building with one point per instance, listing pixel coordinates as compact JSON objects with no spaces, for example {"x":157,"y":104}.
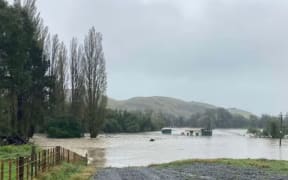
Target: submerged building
{"x":197,"y":132}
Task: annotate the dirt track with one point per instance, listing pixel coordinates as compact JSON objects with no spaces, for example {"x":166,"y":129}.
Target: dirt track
{"x":194,"y":171}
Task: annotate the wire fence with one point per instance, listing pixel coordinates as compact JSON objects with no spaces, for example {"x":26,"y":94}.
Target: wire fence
{"x":25,"y":168}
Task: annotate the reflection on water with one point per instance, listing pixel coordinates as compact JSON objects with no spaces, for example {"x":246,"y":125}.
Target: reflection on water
{"x":120,"y":150}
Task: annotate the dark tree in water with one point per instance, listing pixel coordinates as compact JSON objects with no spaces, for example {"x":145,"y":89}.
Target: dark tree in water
{"x":95,"y":81}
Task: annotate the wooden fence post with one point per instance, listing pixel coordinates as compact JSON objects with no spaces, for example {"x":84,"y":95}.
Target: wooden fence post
{"x":43,"y":160}
{"x":35,"y":165}
{"x":33,"y":161}
{"x":58,"y":150}
{"x":53,"y":156}
{"x":10,"y":169}
{"x":63,"y":154}
{"x":68,"y":156}
{"x":86,"y":159}
{"x":28,"y":167}
{"x":2,"y":171}
{"x":21,"y":168}
{"x":48,"y":159}
{"x":17,"y":168}
{"x":39,"y":162}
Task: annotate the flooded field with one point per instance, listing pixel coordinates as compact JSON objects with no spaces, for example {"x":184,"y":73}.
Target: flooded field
{"x":121,"y":150}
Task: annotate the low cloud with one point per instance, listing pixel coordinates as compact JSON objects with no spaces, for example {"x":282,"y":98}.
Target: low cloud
{"x":228,"y":53}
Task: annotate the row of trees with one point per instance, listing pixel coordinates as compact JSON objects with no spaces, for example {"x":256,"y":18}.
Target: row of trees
{"x":264,"y":126}
{"x":123,"y":121}
{"x":269,"y":126}
{"x":79,"y":80}
{"x":222,"y":118}
{"x":215,"y":118}
{"x":40,"y":77}
{"x":23,"y":82}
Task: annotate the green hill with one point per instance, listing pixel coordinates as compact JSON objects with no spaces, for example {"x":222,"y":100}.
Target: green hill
{"x":166,"y":105}
{"x":243,"y":113}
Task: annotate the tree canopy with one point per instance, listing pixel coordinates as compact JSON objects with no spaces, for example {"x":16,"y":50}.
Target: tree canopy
{"x":35,"y":78}
{"x":22,"y":65}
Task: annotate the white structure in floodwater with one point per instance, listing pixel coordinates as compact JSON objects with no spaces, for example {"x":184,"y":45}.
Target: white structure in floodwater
{"x":197,"y":132}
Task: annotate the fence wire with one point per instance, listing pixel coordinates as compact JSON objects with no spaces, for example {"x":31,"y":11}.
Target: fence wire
{"x":31,"y":166}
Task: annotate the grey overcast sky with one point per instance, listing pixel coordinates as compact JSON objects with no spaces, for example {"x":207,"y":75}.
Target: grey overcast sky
{"x":230,"y":53}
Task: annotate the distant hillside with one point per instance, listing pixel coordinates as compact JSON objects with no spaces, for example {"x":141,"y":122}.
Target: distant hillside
{"x":166,"y":105}
{"x":243,"y":113}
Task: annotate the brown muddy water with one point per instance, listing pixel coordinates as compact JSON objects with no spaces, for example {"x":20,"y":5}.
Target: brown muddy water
{"x":122,"y":150}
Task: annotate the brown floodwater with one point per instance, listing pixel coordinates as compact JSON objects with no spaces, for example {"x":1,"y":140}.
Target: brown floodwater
{"x":121,"y":150}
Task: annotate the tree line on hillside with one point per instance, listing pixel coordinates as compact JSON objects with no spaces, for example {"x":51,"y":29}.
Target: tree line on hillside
{"x":222,"y":118}
{"x":137,"y":121}
{"x":265,"y":126}
{"x":219,"y":118}
{"x":36,"y":69}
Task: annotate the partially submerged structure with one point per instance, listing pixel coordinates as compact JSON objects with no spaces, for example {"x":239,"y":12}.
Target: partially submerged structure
{"x":166,"y":131}
{"x":197,"y":132}
{"x":189,"y":131}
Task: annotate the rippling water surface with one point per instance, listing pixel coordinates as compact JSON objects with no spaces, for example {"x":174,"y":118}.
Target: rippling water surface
{"x":121,"y":150}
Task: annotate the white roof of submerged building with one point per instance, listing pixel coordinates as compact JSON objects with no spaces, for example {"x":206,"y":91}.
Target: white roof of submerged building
{"x":194,"y":129}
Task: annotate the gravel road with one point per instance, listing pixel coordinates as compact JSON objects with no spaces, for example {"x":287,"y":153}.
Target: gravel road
{"x":195,"y":171}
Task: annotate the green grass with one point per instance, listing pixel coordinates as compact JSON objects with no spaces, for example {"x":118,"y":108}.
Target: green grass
{"x":270,"y":165}
{"x":12,"y":152}
{"x":63,"y":172}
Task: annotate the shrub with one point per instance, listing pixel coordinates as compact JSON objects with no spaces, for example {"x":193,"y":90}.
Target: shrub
{"x":274,"y":129}
{"x":64,"y":127}
{"x":112,"y":126}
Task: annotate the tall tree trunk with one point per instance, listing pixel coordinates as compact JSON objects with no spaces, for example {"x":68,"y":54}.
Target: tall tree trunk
{"x":20,"y":116}
{"x":13,"y":112}
{"x":95,"y":80}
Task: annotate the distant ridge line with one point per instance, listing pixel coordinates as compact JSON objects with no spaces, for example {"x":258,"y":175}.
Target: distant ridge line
{"x":168,"y":105}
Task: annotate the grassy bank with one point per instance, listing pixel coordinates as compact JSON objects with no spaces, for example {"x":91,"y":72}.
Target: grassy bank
{"x":63,"y":172}
{"x":12,"y":152}
{"x":271,"y":165}
{"x":69,"y":172}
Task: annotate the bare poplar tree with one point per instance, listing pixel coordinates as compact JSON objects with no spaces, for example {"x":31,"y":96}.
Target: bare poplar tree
{"x":17,"y":3}
{"x":61,"y":78}
{"x":76,"y":79}
{"x":52,"y":48}
{"x":95,"y":81}
{"x":54,"y":55}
